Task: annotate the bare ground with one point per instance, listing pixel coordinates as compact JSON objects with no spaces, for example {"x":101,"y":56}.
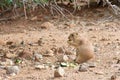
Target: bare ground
{"x":102,"y":30}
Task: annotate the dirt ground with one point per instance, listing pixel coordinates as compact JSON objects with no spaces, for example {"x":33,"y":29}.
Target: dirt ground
{"x":101,"y":28}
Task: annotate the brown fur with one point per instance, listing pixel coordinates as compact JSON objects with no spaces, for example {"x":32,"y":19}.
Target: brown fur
{"x":84,"y":49}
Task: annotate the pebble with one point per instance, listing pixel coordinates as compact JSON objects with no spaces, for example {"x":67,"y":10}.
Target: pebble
{"x":72,"y":57}
{"x":2,"y":67}
{"x":68,"y":52}
{"x":59,"y":72}
{"x":40,"y":42}
{"x":52,"y":67}
{"x":9,"y":42}
{"x":46,"y":25}
{"x":118,"y":61}
{"x":40,"y":66}
{"x":83,"y":68}
{"x":99,"y":72}
{"x":61,"y":50}
{"x":25,"y":54}
{"x":49,"y":53}
{"x":113,"y":77}
{"x":92,"y":65}
{"x":12,"y":70}
{"x":10,"y":55}
{"x":38,"y":56}
{"x":7,"y":62}
{"x":63,"y":58}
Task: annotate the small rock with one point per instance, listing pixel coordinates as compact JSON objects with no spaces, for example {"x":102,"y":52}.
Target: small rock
{"x":40,"y":66}
{"x":68,"y":53}
{"x":22,"y":42}
{"x":12,"y":46}
{"x":40,"y":41}
{"x":118,"y":61}
{"x":113,"y":77}
{"x":52,"y":67}
{"x":38,"y":56}
{"x":12,"y":70}
{"x":96,"y":49}
{"x":90,"y":28}
{"x":26,"y":54}
{"x":49,"y":53}
{"x":10,"y":55}
{"x":2,"y":67}
{"x":7,"y":62}
{"x":46,"y":25}
{"x":92,"y":65}
{"x":59,"y":72}
{"x":12,"y":74}
{"x":65,"y":58}
{"x":72,"y":58}
{"x":83,"y":68}
{"x":99,"y":72}
{"x":61,"y":50}
{"x":62,"y":58}
{"x":34,"y":18}
{"x":9,"y":42}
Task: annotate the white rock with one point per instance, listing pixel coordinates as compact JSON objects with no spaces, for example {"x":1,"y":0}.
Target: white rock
{"x":12,"y":74}
{"x":59,"y":72}
{"x":12,"y":70}
{"x":52,"y":67}
{"x":38,"y":56}
{"x":62,"y":58}
{"x":40,"y":67}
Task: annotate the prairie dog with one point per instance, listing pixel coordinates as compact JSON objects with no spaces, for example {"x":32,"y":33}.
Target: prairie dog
{"x":84,"y":49}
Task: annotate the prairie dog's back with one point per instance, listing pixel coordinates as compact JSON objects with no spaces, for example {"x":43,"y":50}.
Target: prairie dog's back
{"x":84,"y":49}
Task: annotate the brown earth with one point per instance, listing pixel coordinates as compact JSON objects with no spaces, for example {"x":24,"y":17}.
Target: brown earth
{"x":101,"y":27}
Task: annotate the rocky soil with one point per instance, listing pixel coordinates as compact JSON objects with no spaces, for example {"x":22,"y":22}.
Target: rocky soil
{"x":38,"y":50}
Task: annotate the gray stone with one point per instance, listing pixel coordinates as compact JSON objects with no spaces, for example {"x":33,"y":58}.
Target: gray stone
{"x":83,"y":68}
{"x":38,"y":56}
{"x":59,"y":72}
{"x":12,"y":70}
